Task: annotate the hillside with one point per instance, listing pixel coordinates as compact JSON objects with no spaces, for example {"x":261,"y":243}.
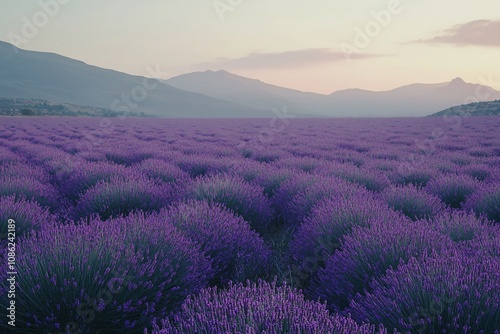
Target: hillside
{"x":220,"y":94}
{"x":35,"y":107}
{"x":58,"y":79}
{"x":490,"y":108}
{"x":414,"y":100}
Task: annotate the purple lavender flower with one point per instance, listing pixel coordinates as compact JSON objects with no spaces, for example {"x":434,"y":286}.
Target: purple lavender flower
{"x":413,"y":202}
{"x":87,"y":174}
{"x":371,"y":179}
{"x":28,"y":215}
{"x":121,"y":197}
{"x":452,"y":189}
{"x":162,"y":171}
{"x":322,"y":232}
{"x":238,"y":253}
{"x":244,"y":199}
{"x":112,"y":276}
{"x":297,"y":197}
{"x":27,"y":187}
{"x":368,"y":253}
{"x":257,"y":308}
{"x":269,"y":177}
{"x":478,"y":171}
{"x":486,"y":201}
{"x":445,"y":293}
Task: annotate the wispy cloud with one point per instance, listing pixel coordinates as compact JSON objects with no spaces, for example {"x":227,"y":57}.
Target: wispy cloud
{"x":480,"y":32}
{"x":286,"y":59}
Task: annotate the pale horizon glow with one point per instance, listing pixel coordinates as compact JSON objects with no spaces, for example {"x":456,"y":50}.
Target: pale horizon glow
{"x":299,"y":45}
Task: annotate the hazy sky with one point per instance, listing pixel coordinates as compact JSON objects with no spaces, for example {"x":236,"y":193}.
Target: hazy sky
{"x":319,"y":46}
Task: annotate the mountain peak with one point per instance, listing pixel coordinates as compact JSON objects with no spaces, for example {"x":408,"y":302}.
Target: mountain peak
{"x":8,"y":49}
{"x":457,"y":82}
{"x":215,"y":73}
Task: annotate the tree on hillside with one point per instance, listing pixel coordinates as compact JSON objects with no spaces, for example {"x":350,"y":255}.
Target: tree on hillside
{"x":27,"y":112}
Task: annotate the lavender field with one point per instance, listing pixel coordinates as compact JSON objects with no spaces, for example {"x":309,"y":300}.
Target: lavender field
{"x":250,"y":226}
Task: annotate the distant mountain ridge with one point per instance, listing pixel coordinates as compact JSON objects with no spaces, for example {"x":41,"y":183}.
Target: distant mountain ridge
{"x":410,"y":100}
{"x":490,"y":108}
{"x":51,"y":77}
{"x":58,"y":79}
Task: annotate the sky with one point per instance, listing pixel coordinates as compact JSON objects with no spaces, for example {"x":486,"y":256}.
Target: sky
{"x":318,"y":46}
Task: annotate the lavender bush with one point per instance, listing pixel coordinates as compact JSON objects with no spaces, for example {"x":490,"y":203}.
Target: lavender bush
{"x":244,"y":199}
{"x":201,"y":165}
{"x":453,"y":190}
{"x":31,"y":189}
{"x":87,"y":175}
{"x":238,"y":253}
{"x":121,"y":197}
{"x":28,"y":215}
{"x":114,"y":276}
{"x":270,"y":178}
{"x":461,"y":226}
{"x":257,"y":308}
{"x":450,"y":293}
{"x":368,"y":253}
{"x":20,"y":169}
{"x":480,"y":172}
{"x":322,"y":232}
{"x":162,"y":171}
{"x":412,"y":202}
{"x":298,"y":196}
{"x":486,"y":201}
{"x":416,"y":175}
{"x":371,"y":179}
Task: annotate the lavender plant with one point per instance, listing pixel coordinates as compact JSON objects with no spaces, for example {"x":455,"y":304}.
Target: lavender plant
{"x":298,"y":196}
{"x":323,"y":231}
{"x":162,"y":171}
{"x":257,"y":308}
{"x":27,"y":187}
{"x":238,"y":253}
{"x":244,"y":199}
{"x":89,"y":174}
{"x":368,"y":253}
{"x":445,"y":293}
{"x":112,"y":277}
{"x":413,"y":202}
{"x":452,"y":189}
{"x":121,"y":197}
{"x":28,"y":215}
{"x":486,"y":201}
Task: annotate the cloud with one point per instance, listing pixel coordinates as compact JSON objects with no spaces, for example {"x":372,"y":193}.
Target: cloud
{"x":480,"y":32}
{"x":286,"y":59}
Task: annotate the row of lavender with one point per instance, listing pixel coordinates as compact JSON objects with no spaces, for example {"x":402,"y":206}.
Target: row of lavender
{"x":183,"y":226}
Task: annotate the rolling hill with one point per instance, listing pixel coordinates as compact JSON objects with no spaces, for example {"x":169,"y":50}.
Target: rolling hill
{"x":490,"y":108}
{"x":408,"y":101}
{"x":58,"y":79}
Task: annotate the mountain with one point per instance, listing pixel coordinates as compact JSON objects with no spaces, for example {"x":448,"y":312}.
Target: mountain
{"x":58,"y":79}
{"x":490,"y":108}
{"x":411,"y":100}
{"x":230,"y":87}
